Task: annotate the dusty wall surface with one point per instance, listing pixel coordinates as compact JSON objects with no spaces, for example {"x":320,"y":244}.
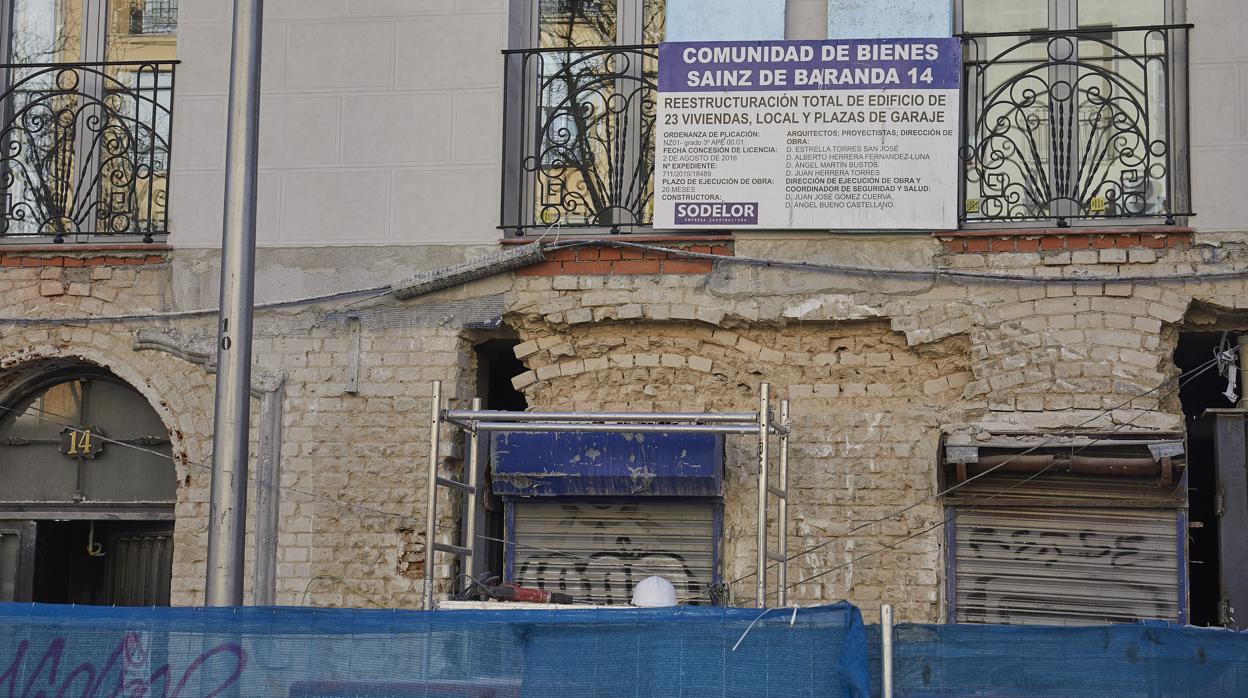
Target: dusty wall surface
{"x":875,"y":367}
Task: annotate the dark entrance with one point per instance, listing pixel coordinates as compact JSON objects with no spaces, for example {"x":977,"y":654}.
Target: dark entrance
{"x":1199,"y":393}
{"x":87,"y":489}
{"x":496,"y":366}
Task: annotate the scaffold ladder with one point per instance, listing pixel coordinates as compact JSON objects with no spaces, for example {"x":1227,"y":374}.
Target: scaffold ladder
{"x":468,"y":486}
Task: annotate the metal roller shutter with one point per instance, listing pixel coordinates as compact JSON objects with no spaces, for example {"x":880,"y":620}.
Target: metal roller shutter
{"x":615,"y":546}
{"x":1066,"y":565}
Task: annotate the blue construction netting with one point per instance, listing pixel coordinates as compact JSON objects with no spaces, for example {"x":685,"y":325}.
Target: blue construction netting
{"x":1148,"y":660}
{"x":324,"y":653}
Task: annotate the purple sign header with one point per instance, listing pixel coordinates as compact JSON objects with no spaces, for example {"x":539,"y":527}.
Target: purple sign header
{"x":785,"y":66}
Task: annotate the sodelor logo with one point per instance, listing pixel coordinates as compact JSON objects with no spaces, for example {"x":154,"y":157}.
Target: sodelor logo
{"x":717,"y":213}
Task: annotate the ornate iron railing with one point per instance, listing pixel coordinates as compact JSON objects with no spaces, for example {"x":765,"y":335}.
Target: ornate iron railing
{"x":1076,"y":124}
{"x":579,"y":139}
{"x":85,"y":150}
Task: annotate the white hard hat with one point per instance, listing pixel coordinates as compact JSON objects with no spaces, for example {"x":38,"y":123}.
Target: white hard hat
{"x":654,"y":592}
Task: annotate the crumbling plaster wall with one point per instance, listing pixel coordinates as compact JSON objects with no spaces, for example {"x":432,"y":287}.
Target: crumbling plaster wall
{"x":353,"y":466}
{"x":876,"y":368}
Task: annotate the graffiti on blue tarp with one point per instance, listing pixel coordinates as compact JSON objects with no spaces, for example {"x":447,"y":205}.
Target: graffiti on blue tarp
{"x":546,"y":464}
{"x":128,"y":668}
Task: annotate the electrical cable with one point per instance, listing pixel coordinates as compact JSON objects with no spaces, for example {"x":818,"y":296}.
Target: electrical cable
{"x":935,"y":274}
{"x":407,"y":519}
{"x":891,"y":546}
{"x":411,"y":519}
{"x":1071,"y":431}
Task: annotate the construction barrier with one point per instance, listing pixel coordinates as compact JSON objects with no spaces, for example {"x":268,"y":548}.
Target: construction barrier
{"x":1147,"y":660}
{"x":335,"y":653}
{"x":685,"y":651}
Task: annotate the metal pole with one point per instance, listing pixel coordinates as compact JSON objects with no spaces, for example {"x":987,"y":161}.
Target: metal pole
{"x":806,"y":19}
{"x":764,"y":425}
{"x":228,"y":508}
{"x":471,"y":496}
{"x":886,"y":650}
{"x":782,"y":514}
{"x":431,"y":503}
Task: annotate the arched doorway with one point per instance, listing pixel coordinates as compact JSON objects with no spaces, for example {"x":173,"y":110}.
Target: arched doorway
{"x":87,"y":490}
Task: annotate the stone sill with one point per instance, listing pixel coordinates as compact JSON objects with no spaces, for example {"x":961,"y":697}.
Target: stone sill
{"x":1083,"y":230}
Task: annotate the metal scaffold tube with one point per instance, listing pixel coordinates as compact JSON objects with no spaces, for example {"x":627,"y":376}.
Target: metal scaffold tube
{"x":435,"y":428}
{"x":886,"y":650}
{"x":479,"y":423}
{"x":782,"y":512}
{"x":764,"y":446}
{"x":470,"y":494}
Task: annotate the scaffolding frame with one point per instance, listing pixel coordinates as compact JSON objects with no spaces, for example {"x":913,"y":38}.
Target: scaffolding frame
{"x":477,"y":423}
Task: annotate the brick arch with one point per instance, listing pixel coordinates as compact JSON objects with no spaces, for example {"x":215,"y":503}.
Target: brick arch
{"x":111,"y":352}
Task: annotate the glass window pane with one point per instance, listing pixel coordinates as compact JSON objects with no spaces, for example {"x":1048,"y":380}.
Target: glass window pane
{"x":1004,"y":15}
{"x":142,"y":30}
{"x":1010,"y":130}
{"x":46,"y":31}
{"x":1117,"y":13}
{"x":652,"y":21}
{"x":569,"y":23}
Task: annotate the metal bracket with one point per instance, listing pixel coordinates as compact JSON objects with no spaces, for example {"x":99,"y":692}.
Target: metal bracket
{"x":1219,"y":503}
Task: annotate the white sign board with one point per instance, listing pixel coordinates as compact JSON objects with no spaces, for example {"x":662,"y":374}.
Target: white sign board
{"x":857,"y":134}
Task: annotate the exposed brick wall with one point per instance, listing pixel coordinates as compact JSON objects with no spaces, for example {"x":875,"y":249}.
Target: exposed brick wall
{"x":602,"y":260}
{"x":977,"y":242}
{"x":875,"y":368}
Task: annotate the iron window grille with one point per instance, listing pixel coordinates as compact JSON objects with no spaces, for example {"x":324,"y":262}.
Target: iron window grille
{"x":1074,"y":124}
{"x":586,"y":141}
{"x":86,"y":149}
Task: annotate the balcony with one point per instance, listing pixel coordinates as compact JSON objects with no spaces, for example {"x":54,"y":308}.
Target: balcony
{"x":1069,"y":125}
{"x":579,"y":139}
{"x":86,"y":151}
{"x":1057,"y":127}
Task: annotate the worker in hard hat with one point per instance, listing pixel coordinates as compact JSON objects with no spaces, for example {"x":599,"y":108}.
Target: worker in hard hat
{"x":654,"y":592}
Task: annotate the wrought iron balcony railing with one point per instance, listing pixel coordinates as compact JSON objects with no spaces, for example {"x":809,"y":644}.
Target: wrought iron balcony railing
{"x":1057,"y":126}
{"x":1082,"y":124}
{"x":579,"y":139}
{"x":85,"y":150}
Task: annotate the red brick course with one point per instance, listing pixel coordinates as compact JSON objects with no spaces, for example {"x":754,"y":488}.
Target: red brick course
{"x":606,"y":261}
{"x":980,"y":242}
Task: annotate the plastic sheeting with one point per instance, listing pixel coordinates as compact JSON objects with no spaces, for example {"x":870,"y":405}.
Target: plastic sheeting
{"x":324,"y":653}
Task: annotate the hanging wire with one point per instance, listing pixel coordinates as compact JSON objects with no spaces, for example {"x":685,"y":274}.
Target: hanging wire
{"x":363,"y":508}
{"x":41,"y":415}
{"x":891,"y":546}
{"x":941,"y":493}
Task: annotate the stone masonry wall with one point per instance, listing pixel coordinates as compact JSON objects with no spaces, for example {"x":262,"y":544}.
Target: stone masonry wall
{"x":876,"y":368}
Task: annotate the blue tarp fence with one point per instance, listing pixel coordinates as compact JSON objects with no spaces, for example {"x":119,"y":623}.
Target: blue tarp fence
{"x":825,"y":651}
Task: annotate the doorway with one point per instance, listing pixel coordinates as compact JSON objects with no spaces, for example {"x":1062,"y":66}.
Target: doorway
{"x":87,"y":491}
{"x":496,"y":366}
{"x":103,"y":563}
{"x":1199,"y":393}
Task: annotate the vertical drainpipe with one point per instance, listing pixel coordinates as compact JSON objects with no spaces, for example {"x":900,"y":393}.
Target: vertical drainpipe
{"x":806,"y":19}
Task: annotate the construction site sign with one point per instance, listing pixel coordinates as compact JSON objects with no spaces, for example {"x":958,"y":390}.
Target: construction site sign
{"x":838,"y":134}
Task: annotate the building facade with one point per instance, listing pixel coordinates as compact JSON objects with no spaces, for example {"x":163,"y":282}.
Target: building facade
{"x":1006,"y":421}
